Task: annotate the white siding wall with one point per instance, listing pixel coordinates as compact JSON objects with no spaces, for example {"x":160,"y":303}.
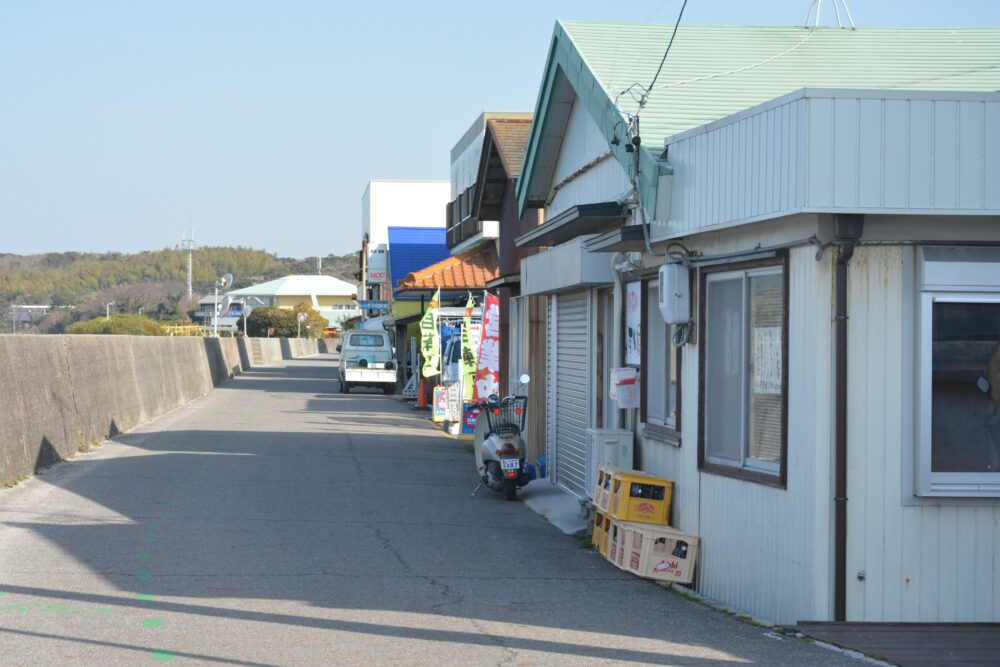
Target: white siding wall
{"x":742,"y":170}
{"x":922,"y":560}
{"x":767,"y":550}
{"x":582,"y":143}
{"x":838,"y":152}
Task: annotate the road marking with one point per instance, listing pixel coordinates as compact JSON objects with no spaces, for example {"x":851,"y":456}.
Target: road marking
{"x":152,"y":623}
{"x":142,"y":574}
{"x":149,"y":539}
{"x":142,"y":555}
{"x":145,"y":597}
{"x":163,"y":656}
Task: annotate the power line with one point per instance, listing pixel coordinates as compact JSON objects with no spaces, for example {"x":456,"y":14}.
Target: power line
{"x":649,"y":89}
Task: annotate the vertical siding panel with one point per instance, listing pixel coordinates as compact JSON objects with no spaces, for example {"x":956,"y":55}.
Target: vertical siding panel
{"x":845,"y":157}
{"x":945,"y":154}
{"x":887,"y":570}
{"x":930,"y":580}
{"x":910,"y":564}
{"x":820,"y":149}
{"x":870,"y":155}
{"x":769,"y":170}
{"x":741,"y":166}
{"x":943,"y":550}
{"x":784,"y":175}
{"x":896,"y":141}
{"x":921,"y":160}
{"x":801,"y":152}
{"x":965,"y":566}
{"x":970,"y":148}
{"x":983,"y":567}
{"x":991,"y":151}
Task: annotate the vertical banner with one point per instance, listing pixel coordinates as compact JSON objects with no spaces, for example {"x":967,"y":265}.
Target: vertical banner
{"x":633,"y":323}
{"x":467,"y":364}
{"x":488,"y":366}
{"x":430,"y":338}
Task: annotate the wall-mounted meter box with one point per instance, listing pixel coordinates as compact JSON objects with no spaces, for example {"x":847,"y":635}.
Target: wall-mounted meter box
{"x":675,"y":294}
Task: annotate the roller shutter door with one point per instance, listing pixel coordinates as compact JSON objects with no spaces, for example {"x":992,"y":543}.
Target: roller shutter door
{"x":570,"y":390}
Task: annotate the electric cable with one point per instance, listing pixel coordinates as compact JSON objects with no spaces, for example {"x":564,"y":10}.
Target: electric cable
{"x":649,"y":89}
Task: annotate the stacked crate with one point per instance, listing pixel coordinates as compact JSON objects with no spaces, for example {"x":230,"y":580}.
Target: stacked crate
{"x":630,"y":526}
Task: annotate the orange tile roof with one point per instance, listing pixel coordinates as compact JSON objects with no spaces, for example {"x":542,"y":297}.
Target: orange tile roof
{"x":471,"y":270}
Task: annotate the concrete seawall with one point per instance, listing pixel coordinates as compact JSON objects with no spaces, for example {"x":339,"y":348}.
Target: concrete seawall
{"x":59,"y":394}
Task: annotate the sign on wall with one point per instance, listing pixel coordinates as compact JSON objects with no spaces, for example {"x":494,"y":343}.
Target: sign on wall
{"x":633,"y":323}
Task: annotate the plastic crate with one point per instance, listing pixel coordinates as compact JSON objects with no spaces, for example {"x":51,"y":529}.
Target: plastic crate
{"x":638,"y":497}
{"x":659,"y":552}
{"x":602,"y":487}
{"x":595,"y":534}
{"x":617,"y":538}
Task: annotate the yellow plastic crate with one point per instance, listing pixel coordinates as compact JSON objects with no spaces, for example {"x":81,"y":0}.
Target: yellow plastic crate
{"x":595,"y":536}
{"x":602,"y":488}
{"x":604,"y":541}
{"x":638,"y":497}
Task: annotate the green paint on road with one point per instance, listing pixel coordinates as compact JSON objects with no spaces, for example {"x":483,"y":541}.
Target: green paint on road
{"x":154,"y":526}
{"x":142,"y":574}
{"x":142,"y":555}
{"x":163,"y":656}
{"x":145,"y":597}
{"x":149,"y":539}
{"x":152,"y":623}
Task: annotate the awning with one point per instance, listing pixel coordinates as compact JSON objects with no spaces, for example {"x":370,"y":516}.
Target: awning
{"x":576,"y":221}
{"x":629,"y":238}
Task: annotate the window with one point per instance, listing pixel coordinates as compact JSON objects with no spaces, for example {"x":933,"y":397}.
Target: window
{"x":661,"y":375}
{"x":366,"y":340}
{"x":743,"y":372}
{"x":958,"y":433}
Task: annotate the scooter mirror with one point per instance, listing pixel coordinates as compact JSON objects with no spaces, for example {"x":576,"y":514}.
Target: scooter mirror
{"x":525,"y":378}
{"x":492,"y":398}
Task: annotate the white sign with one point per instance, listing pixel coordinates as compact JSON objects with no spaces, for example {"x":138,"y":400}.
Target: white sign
{"x":633,"y":323}
{"x":302,"y":317}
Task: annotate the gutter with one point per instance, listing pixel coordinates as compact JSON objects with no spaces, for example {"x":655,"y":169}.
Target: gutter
{"x":847,"y":233}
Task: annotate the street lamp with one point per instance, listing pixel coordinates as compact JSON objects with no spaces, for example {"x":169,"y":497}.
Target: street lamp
{"x":107,"y":310}
{"x":223,"y":282}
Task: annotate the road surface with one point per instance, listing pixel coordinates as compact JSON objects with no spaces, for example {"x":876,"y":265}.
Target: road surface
{"x":278,"y":522}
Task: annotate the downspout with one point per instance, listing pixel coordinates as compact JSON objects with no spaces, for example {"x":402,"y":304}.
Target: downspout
{"x":847,"y":232}
{"x":616,"y":333}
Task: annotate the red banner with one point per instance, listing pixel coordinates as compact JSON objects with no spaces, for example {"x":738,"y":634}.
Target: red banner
{"x":488,"y":365}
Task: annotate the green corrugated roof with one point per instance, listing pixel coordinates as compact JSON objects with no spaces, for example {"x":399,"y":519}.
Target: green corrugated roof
{"x":620,"y":55}
{"x":715,"y":71}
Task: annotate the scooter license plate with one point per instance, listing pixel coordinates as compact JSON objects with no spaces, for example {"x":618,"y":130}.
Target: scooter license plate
{"x":510,"y":464}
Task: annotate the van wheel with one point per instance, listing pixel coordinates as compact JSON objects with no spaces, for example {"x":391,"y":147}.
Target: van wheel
{"x":345,"y":388}
{"x":387,"y":390}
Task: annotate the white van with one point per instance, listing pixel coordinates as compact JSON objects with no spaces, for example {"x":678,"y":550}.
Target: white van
{"x":366,"y":360}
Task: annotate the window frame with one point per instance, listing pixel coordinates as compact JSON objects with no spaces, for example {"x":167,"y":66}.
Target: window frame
{"x":930,"y":484}
{"x":665,"y":433}
{"x":779,"y":477}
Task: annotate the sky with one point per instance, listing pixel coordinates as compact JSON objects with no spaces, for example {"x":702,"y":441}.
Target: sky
{"x":124,"y":125}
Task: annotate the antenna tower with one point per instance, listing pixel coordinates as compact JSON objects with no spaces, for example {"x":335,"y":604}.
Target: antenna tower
{"x":190,"y":245}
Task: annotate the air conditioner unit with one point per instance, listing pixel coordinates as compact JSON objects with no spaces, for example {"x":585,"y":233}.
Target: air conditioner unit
{"x":608,"y":446}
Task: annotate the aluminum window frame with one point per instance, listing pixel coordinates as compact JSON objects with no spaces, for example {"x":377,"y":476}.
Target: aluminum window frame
{"x":766,"y":473}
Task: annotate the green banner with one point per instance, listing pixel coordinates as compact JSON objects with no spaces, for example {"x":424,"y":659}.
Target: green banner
{"x":430,"y":338}
{"x":468,"y":361}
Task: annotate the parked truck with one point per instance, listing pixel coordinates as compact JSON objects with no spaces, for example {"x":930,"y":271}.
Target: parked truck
{"x":366,"y":360}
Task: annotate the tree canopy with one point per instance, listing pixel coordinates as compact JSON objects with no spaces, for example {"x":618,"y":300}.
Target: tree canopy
{"x":120,"y":324}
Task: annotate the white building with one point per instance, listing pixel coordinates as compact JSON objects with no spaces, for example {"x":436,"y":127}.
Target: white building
{"x":389,"y":203}
{"x":829,"y":412}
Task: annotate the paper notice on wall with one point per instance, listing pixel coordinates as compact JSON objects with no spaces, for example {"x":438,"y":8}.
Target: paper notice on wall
{"x":633,"y":323}
{"x":767,"y":367}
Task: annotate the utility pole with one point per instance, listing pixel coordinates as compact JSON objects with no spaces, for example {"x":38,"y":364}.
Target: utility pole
{"x":190,"y":245}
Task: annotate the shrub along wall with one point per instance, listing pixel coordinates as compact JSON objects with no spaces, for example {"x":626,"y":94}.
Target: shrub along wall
{"x":59,"y":394}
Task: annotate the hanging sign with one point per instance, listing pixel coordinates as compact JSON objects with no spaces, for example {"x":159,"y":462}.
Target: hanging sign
{"x":487,"y":379}
{"x":633,"y":323}
{"x":430,"y":338}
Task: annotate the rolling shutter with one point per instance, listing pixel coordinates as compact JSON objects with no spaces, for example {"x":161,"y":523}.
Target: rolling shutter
{"x":570,"y":390}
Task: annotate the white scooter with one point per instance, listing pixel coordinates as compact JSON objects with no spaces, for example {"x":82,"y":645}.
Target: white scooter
{"x":499,"y":447}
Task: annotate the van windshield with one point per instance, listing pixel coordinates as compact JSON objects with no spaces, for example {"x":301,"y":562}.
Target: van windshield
{"x":366,"y":340}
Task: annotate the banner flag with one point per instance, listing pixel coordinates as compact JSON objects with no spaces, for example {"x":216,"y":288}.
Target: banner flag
{"x":488,"y":365}
{"x":467,"y":364}
{"x":430,"y":338}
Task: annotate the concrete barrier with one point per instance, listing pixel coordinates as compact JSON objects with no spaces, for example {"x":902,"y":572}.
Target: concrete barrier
{"x":59,"y":394}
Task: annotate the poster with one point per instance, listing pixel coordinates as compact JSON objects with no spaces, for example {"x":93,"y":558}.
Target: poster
{"x":487,"y":379}
{"x":430,"y":338}
{"x":633,"y":323}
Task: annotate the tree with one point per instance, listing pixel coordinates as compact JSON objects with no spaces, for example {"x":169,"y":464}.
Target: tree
{"x":264,"y":318}
{"x":314,"y":324}
{"x":121,"y":324}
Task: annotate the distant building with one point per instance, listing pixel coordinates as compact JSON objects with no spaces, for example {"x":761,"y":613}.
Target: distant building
{"x":331,"y":297}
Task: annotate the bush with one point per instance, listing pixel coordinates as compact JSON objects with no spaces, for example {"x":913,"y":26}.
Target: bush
{"x":122,"y":325}
{"x":284,"y":322}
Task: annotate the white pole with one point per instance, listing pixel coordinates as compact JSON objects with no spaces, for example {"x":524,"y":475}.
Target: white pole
{"x":13,"y":319}
{"x":215,"y":312}
{"x":107,"y":310}
{"x":300,"y":330}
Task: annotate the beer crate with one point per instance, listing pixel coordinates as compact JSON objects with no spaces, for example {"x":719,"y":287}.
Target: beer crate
{"x":641,"y":498}
{"x":659,"y":552}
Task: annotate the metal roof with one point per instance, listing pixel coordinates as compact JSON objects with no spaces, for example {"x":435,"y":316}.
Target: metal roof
{"x":715,"y":71}
{"x":299,"y":286}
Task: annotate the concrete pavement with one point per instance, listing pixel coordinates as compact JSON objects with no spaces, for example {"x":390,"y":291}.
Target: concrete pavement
{"x":278,"y":522}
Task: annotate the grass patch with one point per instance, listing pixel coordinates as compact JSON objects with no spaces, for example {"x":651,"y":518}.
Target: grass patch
{"x":14,"y":482}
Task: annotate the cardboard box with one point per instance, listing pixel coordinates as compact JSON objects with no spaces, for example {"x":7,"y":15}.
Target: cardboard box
{"x":659,"y":552}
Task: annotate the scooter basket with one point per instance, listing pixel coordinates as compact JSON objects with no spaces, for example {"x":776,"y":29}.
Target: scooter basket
{"x":506,"y":417}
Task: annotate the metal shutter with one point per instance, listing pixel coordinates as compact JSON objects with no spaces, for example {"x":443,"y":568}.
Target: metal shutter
{"x":572,"y":391}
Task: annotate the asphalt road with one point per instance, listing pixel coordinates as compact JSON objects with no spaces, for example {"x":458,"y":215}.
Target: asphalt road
{"x":278,"y":522}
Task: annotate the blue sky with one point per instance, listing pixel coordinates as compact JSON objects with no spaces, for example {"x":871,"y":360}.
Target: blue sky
{"x":123,"y":123}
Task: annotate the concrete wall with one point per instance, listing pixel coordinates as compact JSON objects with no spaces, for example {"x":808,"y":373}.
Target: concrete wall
{"x":59,"y":394}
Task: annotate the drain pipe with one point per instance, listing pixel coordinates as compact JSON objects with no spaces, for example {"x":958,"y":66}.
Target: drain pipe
{"x":847,"y":232}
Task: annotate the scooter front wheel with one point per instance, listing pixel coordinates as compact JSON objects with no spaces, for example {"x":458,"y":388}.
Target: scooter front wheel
{"x":509,"y":489}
